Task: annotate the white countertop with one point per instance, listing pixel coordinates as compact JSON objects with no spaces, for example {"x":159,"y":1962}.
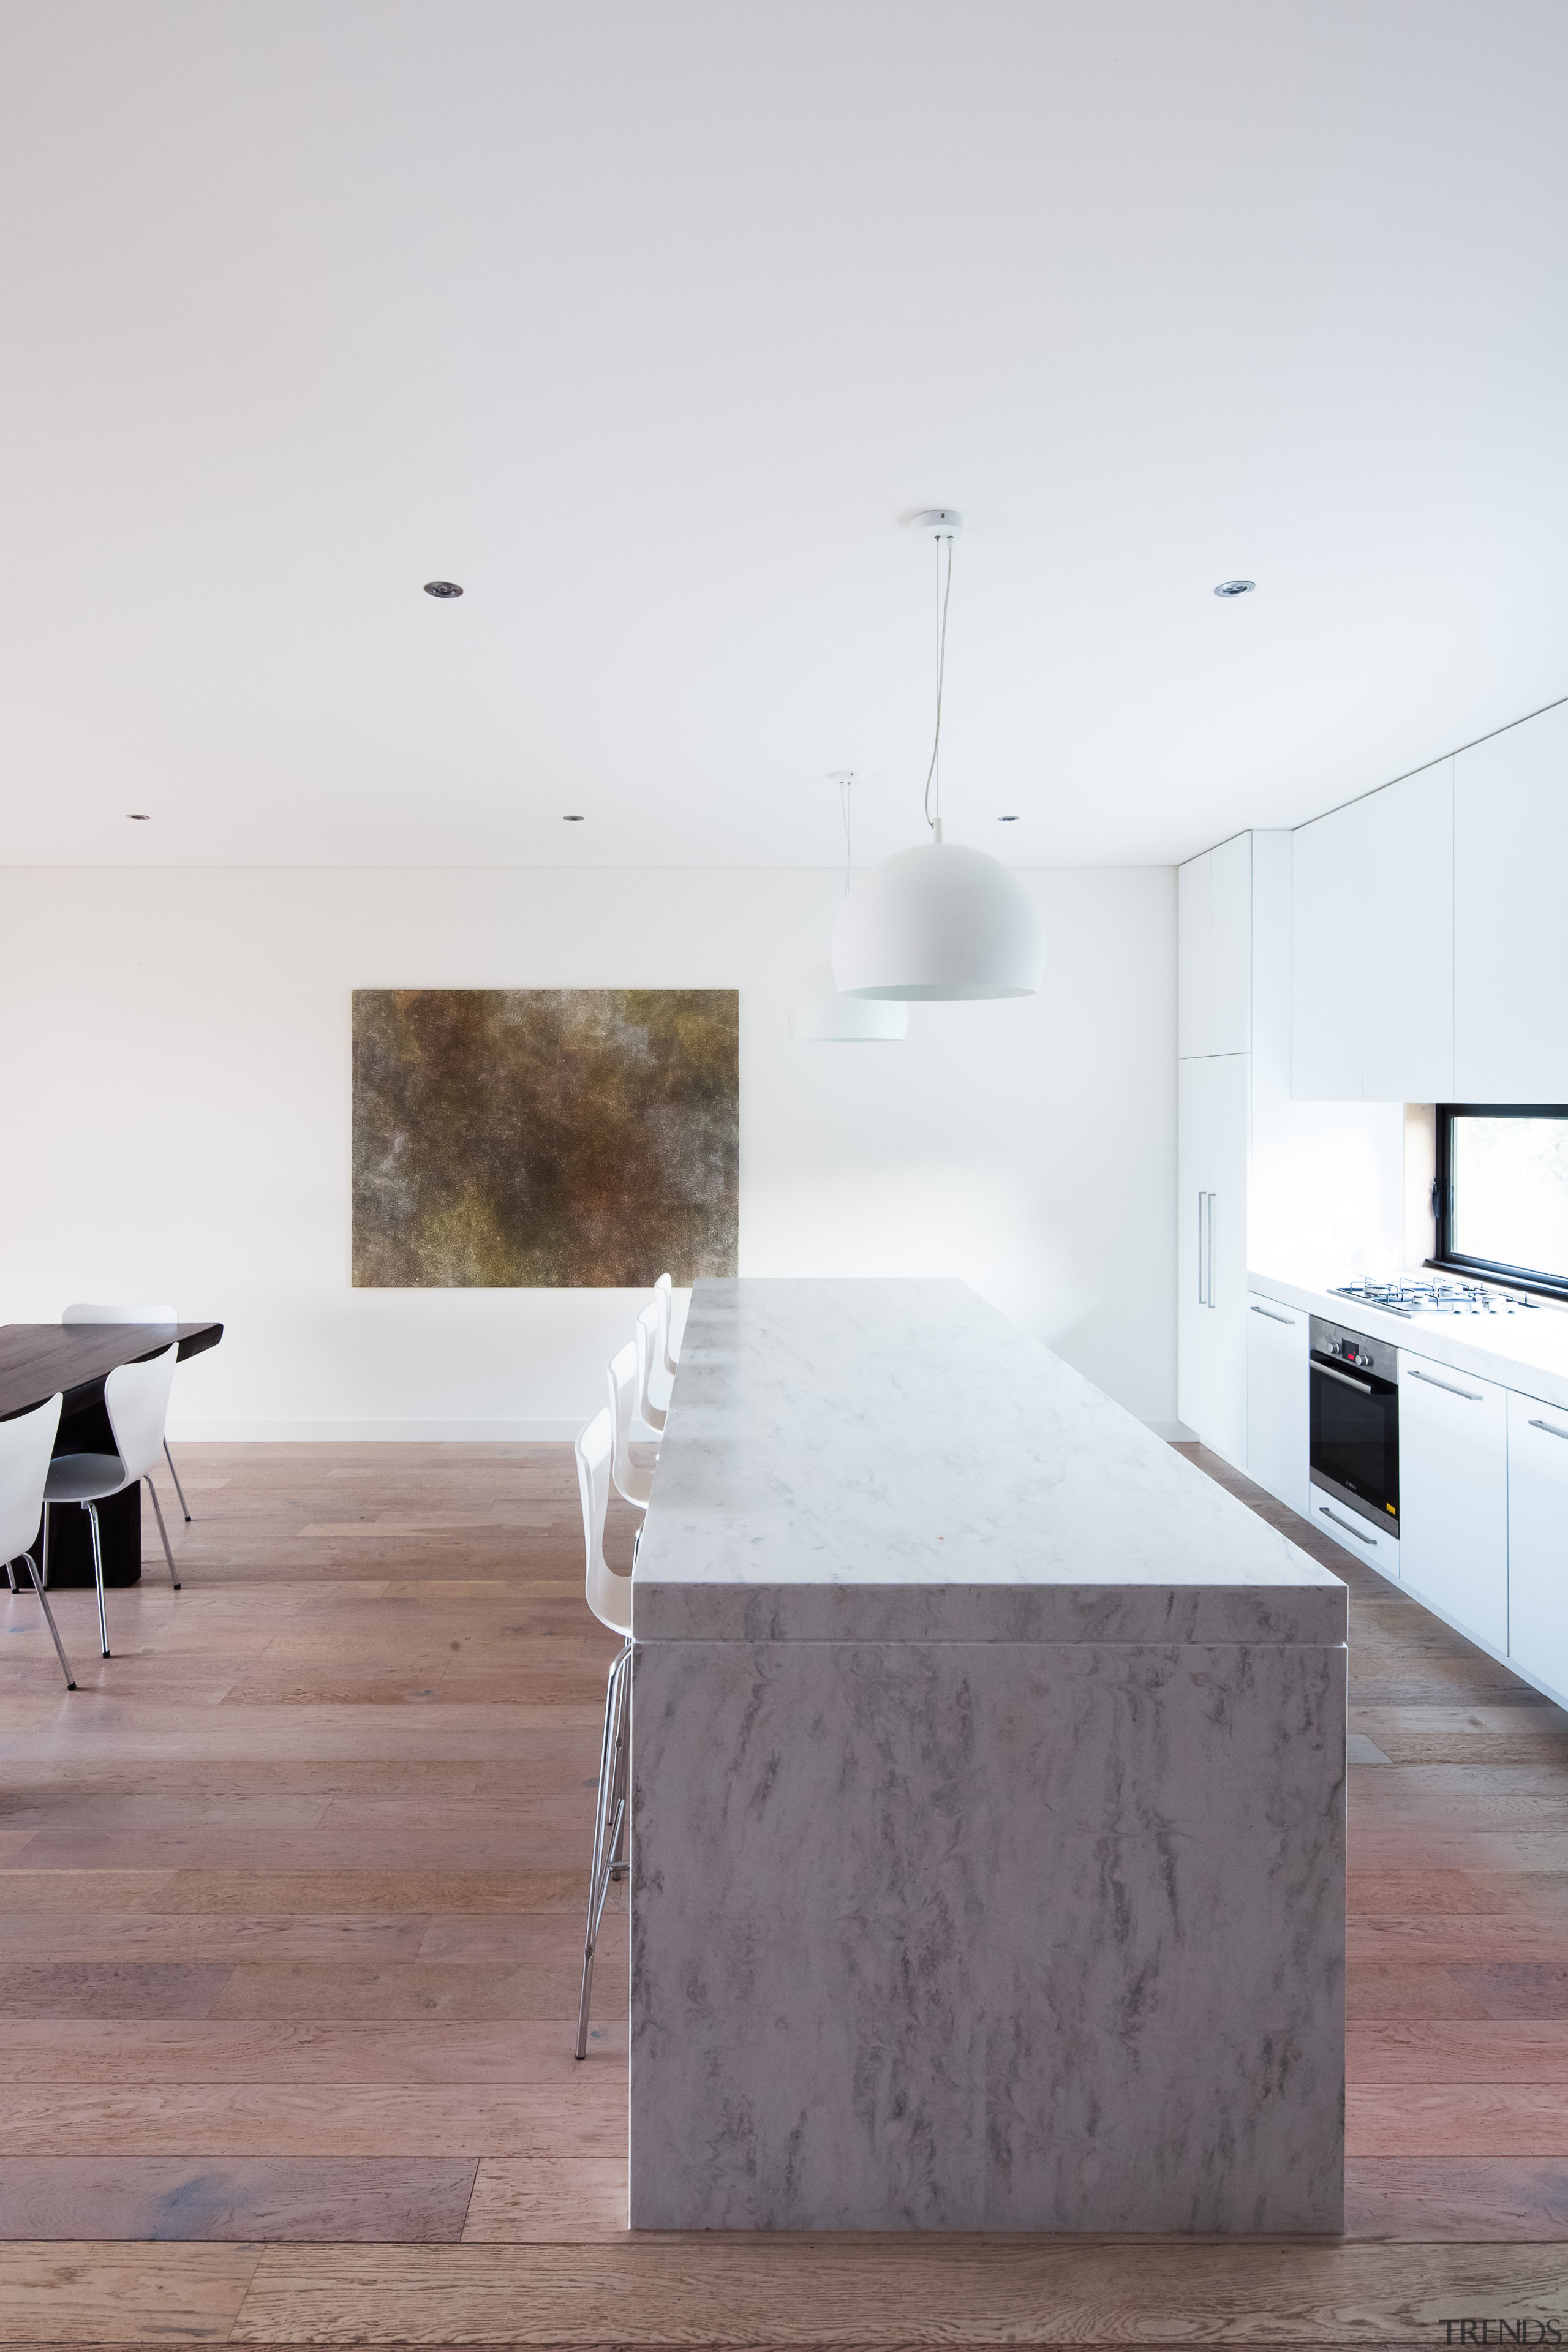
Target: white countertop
{"x":895,"y":1460}
{"x":1527,"y":1351}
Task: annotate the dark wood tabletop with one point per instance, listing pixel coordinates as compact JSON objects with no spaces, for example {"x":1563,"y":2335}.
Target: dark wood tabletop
{"x":36,"y":1359}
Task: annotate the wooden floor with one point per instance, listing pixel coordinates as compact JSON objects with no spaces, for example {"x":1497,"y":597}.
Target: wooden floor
{"x":288,"y":1959}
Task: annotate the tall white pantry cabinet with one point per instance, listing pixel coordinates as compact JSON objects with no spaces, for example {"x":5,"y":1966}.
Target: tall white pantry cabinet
{"x":1233,"y":1027}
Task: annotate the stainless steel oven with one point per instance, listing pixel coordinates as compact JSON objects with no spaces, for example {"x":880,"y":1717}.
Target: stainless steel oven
{"x":1353,"y":1449}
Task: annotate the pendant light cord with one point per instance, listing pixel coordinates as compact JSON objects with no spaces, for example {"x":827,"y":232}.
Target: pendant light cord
{"x":933,"y":773}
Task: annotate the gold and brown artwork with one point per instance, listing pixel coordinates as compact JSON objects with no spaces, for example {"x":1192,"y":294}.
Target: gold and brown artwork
{"x":545,"y":1138}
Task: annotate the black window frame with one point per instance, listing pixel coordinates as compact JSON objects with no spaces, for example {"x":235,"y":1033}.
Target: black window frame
{"x":1445,"y":1257}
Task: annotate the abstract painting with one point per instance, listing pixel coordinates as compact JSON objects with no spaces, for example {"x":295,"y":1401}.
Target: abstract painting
{"x":545,"y":1138}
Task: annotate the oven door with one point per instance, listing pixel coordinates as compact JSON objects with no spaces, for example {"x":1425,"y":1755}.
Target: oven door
{"x":1355,"y":1444}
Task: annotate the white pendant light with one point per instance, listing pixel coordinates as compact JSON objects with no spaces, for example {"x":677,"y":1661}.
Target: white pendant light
{"x":938,"y":921}
{"x":818,"y":1015}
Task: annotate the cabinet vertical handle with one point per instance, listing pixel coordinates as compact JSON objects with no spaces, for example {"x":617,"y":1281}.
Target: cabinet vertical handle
{"x":1213,"y":1198}
{"x":1201,"y":1299}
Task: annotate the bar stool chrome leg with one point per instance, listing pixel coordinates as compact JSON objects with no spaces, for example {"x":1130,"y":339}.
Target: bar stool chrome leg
{"x":609,"y":1823}
{"x":163,"y":1531}
{"x":175,"y":1477}
{"x":48,"y":1619}
{"x":98,"y":1576}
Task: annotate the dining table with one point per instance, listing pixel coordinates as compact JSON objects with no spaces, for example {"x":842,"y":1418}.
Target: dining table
{"x":38,"y":1360}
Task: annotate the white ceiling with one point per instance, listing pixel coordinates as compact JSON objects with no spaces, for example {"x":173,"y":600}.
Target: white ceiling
{"x":647,"y":322}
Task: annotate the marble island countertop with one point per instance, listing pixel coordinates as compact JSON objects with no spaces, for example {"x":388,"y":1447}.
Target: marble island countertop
{"x":1527,"y":1351}
{"x":895,"y":1460}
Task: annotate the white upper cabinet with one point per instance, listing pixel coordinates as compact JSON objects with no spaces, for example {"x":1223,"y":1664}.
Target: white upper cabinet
{"x":1230,"y":946}
{"x":1406,"y":961}
{"x":1510,"y":887}
{"x":1372,"y":954}
{"x":1330,"y":914}
{"x":1194,"y":897}
{"x":1213,"y":904}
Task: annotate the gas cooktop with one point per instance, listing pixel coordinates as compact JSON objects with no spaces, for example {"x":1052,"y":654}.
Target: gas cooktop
{"x":1413,"y":1294}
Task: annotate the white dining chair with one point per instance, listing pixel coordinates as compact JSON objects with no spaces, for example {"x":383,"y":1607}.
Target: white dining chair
{"x":664,"y":1299}
{"x":648,"y":1354}
{"x":631,"y":1480}
{"x":136,"y":1397}
{"x":25,"y":1445}
{"x":609,"y":1596}
{"x":99,"y":1314}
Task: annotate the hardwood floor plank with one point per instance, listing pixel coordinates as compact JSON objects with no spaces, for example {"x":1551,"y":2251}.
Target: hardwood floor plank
{"x":438,"y":2051}
{"x":1514,"y":1989}
{"x":548,"y":2200}
{"x":384,"y":1937}
{"x":1458,"y":2049}
{"x":586,"y":2117}
{"x":122,"y":2294}
{"x":752,"y":2292}
{"x":428,"y":1989}
{"x":154,"y":1988}
{"x":413,"y":2199}
{"x":1474,"y":2199}
{"x":1449,"y":1938}
{"x":1462,"y":2119}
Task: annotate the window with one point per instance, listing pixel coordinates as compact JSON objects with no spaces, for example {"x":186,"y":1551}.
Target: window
{"x":1502,"y":1192}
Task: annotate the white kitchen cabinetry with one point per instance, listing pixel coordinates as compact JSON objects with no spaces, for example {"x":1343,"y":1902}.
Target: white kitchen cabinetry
{"x":1213,"y":917}
{"x":1404,"y":957}
{"x":1211,"y":1318}
{"x":1538,"y":1542}
{"x":1278,"y":1403}
{"x":1510,"y":886}
{"x":1453,"y":1495}
{"x":1372,"y":947}
{"x":1328,"y":915}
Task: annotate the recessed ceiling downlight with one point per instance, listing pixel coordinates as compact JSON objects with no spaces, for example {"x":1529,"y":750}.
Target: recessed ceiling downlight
{"x":1007,"y":820}
{"x":442,"y":588}
{"x":140,"y":816}
{"x":572,"y":820}
{"x":1236,"y":588}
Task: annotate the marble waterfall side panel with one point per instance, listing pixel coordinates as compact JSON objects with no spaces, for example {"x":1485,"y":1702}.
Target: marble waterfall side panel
{"x":986,"y":1936}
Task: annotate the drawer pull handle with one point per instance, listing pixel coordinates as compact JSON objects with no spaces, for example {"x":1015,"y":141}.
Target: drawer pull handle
{"x":1547,"y":1426}
{"x":1448,"y":1387}
{"x":1290,"y":1319}
{"x":1324,"y":1512}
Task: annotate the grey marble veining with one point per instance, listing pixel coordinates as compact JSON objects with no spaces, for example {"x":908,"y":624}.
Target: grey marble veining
{"x":975,"y":1937}
{"x":849,"y":1461}
{"x":988,"y":1795}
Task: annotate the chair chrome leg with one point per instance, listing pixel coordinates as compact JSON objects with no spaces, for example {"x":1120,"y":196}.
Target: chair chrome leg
{"x":46,"y":1562}
{"x":98,"y":1576}
{"x":163,"y":1531}
{"x":175,"y":1477}
{"x":11,"y":1576}
{"x":48,"y":1620}
{"x":608,"y":1822}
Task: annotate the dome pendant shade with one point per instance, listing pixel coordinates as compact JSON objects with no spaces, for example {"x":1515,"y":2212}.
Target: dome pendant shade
{"x":818,"y":1015}
{"x":938,"y":922}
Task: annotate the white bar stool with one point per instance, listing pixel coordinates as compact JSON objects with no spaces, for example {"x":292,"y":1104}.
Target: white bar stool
{"x":26,"y":1445}
{"x":161,"y":1314}
{"x":136,"y":1397}
{"x":632,"y":1482}
{"x":609,"y":1596}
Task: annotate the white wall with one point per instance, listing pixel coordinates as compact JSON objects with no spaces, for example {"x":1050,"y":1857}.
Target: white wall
{"x":177,"y":1052}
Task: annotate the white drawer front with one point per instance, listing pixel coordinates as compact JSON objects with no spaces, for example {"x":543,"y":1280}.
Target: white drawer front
{"x":1359,"y":1537}
{"x":1538,"y":1542}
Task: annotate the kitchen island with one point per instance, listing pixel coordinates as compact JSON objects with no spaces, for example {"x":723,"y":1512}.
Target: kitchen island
{"x":988,"y":1798}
